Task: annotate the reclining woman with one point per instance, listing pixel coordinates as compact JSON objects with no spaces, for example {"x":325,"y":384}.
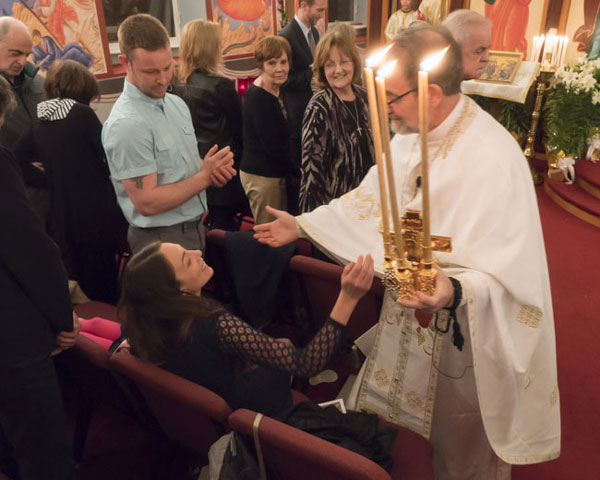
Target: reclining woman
{"x":170,"y":323}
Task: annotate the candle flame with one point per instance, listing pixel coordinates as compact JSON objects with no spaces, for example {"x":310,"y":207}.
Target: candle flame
{"x":433,"y":61}
{"x":378,"y":56}
{"x":386,"y":69}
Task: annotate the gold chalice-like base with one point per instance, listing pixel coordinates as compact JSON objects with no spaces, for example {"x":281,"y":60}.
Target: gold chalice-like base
{"x":405,"y":282}
{"x":426,"y":280}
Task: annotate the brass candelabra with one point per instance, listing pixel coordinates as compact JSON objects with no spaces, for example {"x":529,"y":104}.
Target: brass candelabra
{"x":410,"y":270}
{"x":543,"y":85}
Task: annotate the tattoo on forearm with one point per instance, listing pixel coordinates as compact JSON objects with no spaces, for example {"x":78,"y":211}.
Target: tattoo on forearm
{"x":139,"y":182}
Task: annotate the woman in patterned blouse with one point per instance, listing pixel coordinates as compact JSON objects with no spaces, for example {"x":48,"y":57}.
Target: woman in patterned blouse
{"x":170,"y":323}
{"x":337,"y":146}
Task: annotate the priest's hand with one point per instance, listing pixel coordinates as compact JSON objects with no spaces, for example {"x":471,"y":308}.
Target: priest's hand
{"x":281,"y":231}
{"x":442,"y":297}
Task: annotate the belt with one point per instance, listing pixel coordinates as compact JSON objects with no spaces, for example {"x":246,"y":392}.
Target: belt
{"x":184,"y":226}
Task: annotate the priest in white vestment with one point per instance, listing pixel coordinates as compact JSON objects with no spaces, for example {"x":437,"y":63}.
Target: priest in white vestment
{"x":496,"y":401}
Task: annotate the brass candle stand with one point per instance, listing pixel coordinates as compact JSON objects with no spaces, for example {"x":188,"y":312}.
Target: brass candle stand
{"x":409,"y":271}
{"x":543,"y":85}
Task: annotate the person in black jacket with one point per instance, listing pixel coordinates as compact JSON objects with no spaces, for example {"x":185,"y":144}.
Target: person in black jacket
{"x":28,"y":89}
{"x":84,"y":218}
{"x":266,"y":160}
{"x":35,"y":320}
{"x":216,"y":114}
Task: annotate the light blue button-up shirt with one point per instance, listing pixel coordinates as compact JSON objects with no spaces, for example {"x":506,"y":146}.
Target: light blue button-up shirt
{"x":144,"y":135}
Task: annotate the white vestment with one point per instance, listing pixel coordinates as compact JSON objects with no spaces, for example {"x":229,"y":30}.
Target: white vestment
{"x":434,"y":11}
{"x":482,"y":197}
{"x":398,"y":21}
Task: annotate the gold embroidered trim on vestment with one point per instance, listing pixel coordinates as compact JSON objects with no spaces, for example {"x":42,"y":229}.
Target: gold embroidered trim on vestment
{"x":381,"y":378}
{"x":363,"y":203}
{"x":530,"y":316}
{"x":412,"y":399}
{"x":554,"y":396}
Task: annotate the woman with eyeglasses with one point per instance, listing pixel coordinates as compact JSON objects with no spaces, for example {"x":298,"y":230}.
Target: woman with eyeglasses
{"x":337,"y":145}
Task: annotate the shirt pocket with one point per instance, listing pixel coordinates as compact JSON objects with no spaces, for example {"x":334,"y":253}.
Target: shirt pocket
{"x":164,"y":151}
{"x":190,"y":144}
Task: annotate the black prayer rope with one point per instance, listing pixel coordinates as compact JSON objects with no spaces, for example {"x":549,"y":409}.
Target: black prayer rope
{"x":457,"y":337}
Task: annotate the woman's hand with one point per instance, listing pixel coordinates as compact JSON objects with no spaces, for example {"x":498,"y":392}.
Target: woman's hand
{"x":356,"y":280}
{"x":357,"y":277}
{"x":281,"y":231}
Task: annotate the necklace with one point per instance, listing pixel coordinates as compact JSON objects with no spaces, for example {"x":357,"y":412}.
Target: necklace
{"x":353,"y":116}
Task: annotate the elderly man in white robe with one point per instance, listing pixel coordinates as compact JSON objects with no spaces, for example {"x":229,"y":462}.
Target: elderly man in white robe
{"x":473,"y":33}
{"x":495,"y":402}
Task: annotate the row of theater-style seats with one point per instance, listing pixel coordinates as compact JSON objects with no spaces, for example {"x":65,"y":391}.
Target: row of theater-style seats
{"x":193,"y":417}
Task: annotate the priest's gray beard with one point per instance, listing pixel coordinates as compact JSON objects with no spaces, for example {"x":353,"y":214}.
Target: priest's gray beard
{"x":399,"y":126}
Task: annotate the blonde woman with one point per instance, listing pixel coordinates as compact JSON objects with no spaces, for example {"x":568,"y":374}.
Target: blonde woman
{"x":216,"y":113}
{"x":337,"y":146}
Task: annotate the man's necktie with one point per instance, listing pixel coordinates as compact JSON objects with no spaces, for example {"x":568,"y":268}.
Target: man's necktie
{"x":311,"y":41}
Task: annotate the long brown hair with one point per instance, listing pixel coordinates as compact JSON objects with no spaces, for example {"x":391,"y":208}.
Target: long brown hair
{"x":155,"y":314}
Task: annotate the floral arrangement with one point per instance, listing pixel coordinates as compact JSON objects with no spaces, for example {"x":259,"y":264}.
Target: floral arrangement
{"x":572,"y":109}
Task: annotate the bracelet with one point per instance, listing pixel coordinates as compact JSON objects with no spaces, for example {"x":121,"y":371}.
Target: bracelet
{"x":457,"y":294}
{"x":457,"y":337}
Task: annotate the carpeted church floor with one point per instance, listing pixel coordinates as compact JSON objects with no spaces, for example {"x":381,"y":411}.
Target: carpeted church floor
{"x":119,"y":449}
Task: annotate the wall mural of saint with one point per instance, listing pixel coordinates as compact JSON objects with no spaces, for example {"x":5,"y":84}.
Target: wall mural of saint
{"x":61,"y":29}
{"x":588,"y":35}
{"x":243,"y":24}
{"x":509,"y":19}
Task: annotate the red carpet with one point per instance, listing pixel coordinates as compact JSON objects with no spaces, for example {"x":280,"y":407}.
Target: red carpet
{"x":573,"y":250}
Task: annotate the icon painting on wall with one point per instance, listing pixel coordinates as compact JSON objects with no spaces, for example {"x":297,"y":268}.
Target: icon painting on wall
{"x":243,"y":24}
{"x":61,"y":30}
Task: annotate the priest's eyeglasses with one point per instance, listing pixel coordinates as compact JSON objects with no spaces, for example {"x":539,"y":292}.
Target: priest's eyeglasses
{"x":400,"y":97}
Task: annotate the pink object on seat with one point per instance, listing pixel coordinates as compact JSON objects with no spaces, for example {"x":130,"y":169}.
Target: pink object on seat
{"x":292,"y":454}
{"x":188,"y":413}
{"x":100,"y":330}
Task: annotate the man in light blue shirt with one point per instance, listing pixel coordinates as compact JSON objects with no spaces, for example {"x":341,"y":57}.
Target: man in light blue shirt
{"x":151,"y":147}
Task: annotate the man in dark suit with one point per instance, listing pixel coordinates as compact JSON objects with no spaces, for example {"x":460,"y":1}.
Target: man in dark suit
{"x":303,"y":37}
{"x":36,"y":320}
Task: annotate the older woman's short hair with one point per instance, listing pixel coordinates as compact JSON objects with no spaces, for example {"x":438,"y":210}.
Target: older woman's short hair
{"x":70,"y":79}
{"x":271,"y":47}
{"x":7,"y":98}
{"x":343,"y":38}
{"x":200,"y":48}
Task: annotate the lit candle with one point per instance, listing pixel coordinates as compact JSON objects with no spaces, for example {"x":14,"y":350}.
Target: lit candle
{"x":423,"y":87}
{"x":372,"y":98}
{"x":563,"y":51}
{"x":382,"y":73}
{"x":538,"y":42}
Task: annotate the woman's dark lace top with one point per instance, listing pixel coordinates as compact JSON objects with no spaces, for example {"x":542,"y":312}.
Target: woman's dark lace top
{"x":246,"y":367}
{"x":237,"y":337}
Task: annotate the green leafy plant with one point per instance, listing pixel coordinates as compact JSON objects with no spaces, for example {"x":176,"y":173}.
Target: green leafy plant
{"x":572,"y":109}
{"x":281,"y":7}
{"x":515,"y":116}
